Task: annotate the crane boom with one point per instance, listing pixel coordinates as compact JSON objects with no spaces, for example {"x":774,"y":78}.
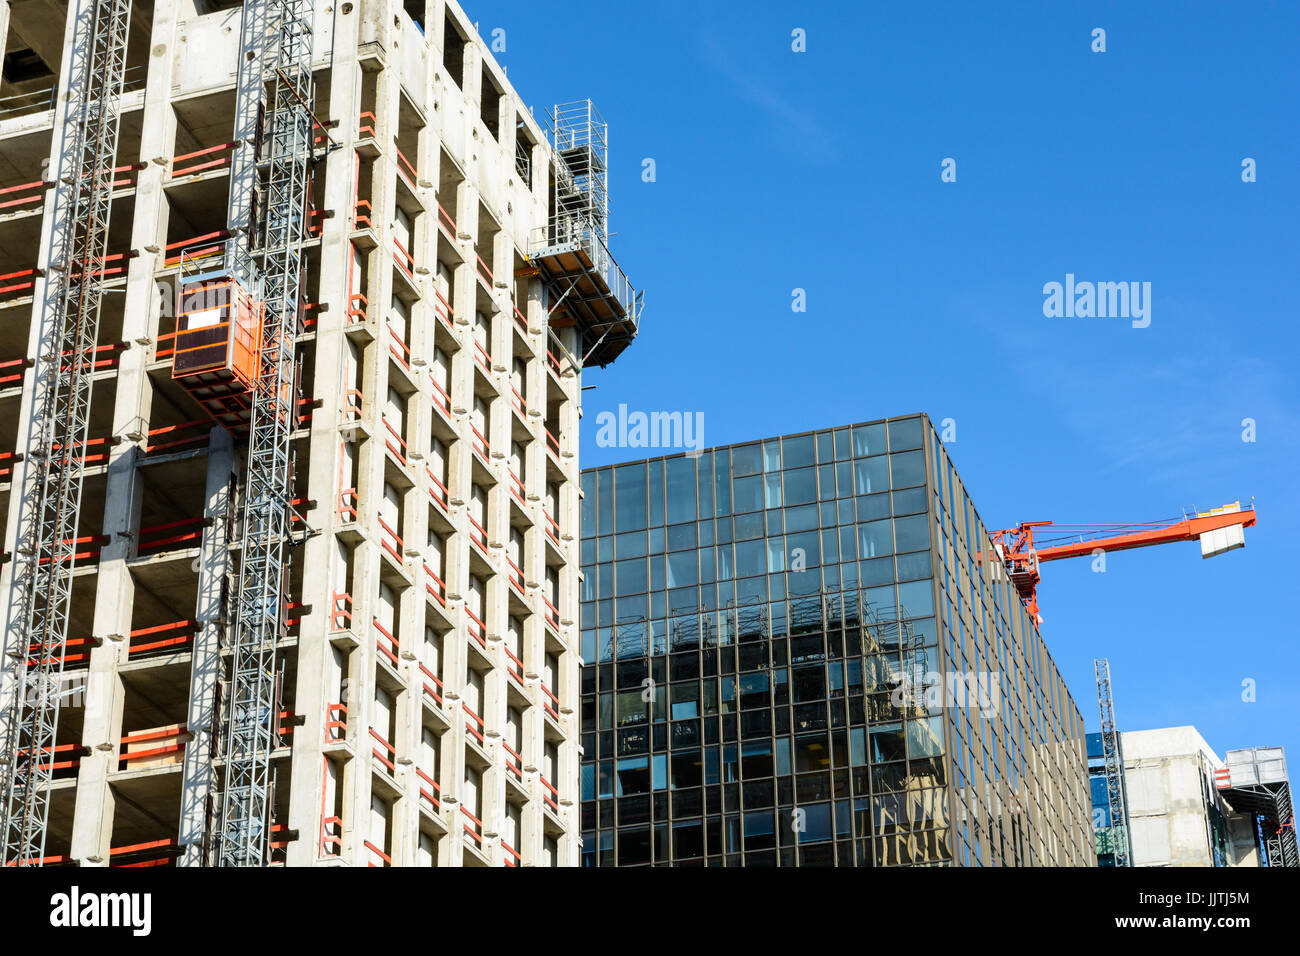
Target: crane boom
{"x":1218,"y":530}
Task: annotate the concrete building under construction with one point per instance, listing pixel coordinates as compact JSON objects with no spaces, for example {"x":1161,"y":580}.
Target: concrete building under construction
{"x":300,"y":584}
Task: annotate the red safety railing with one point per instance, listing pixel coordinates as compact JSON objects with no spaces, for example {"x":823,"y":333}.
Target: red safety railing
{"x":187,"y":532}
{"x":348,"y":504}
{"x":475,"y":724}
{"x":386,"y":643}
{"x":207,"y":246}
{"x":483,"y":272}
{"x":391,"y":541}
{"x":432,"y":686}
{"x":36,"y":652}
{"x":552,"y":614}
{"x":8,"y":377}
{"x":512,"y":855}
{"x":552,"y":527}
{"x":361,"y":215}
{"x":405,"y":169}
{"x":357,"y":303}
{"x":552,"y":444}
{"x":352,"y":402}
{"x":552,"y":362}
{"x":480,"y":443}
{"x":477,"y":533}
{"x":175,"y":747}
{"x":385,"y":753}
{"x":397,"y":346}
{"x":405,"y":261}
{"x":441,"y":398}
{"x":442,"y":308}
{"x":518,"y":401}
{"x":517,"y":489}
{"x":56,"y":765}
{"x":552,"y":703}
{"x":435,"y":586}
{"x":514,"y":762}
{"x":394,"y":441}
{"x":18,"y":283}
{"x":24,"y":196}
{"x":437,"y":490}
{"x":183,"y":435}
{"x":476,"y":629}
{"x":520,"y":322}
{"x":331,"y":835}
{"x":476,"y":831}
{"x":516,"y":576}
{"x":515,"y":667}
{"x":550,"y":796}
{"x":201,"y":160}
{"x":341,"y":611}
{"x":384,"y":858}
{"x":367,"y":130}
{"x":122,"y":182}
{"x":161,"y":638}
{"x":482,"y":358}
{"x":336,"y":722}
{"x":429,"y":789}
{"x":446,"y":223}
{"x":7,"y":461}
{"x":93,"y":543}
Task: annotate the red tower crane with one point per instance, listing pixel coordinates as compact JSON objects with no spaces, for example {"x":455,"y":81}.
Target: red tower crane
{"x":1219,"y":530}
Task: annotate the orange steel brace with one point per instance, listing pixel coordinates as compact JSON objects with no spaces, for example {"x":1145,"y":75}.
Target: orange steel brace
{"x":1015,"y":546}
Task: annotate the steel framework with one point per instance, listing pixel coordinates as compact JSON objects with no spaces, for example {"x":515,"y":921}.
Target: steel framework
{"x":1116,"y":800}
{"x":266,"y":253}
{"x":60,"y":420}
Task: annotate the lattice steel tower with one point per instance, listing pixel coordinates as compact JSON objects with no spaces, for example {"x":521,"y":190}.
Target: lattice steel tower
{"x":60,"y":420}
{"x":1116,"y":800}
{"x":267,"y":213}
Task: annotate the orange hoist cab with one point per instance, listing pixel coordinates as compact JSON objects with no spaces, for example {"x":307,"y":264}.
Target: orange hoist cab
{"x":218,"y":337}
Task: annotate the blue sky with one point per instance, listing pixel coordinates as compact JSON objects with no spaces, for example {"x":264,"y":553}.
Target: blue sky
{"x":820,"y":170}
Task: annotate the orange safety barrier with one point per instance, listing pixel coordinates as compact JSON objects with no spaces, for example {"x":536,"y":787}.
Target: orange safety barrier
{"x":357,"y":303}
{"x":223,"y":151}
{"x":476,"y":628}
{"x":19,"y":287}
{"x":476,"y":831}
{"x":475,"y":725}
{"x":203,"y":426}
{"x":435,"y":691}
{"x":367,"y":130}
{"x":437,"y":490}
{"x":341,"y":614}
{"x":352,"y":401}
{"x":520,"y":405}
{"x":96,"y":540}
{"x":331,"y":834}
{"x":483,"y":358}
{"x":435,"y":586}
{"x":552,"y":613}
{"x":38,"y":189}
{"x":387,"y":860}
{"x":175,"y":736}
{"x":483,"y":272}
{"x":514,"y":762}
{"x":440,"y":397}
{"x":398,"y":347}
{"x":515,"y":667}
{"x":481,"y":446}
{"x":35,"y":649}
{"x":552,"y":527}
{"x":210,"y":244}
{"x":512,"y":855}
{"x":477,"y":533}
{"x":348,"y":504}
{"x":517,"y":489}
{"x":160,"y":537}
{"x":442,"y":308}
{"x":398,"y":449}
{"x":405,"y":168}
{"x":405,"y":261}
{"x":7,"y":461}
{"x":552,"y":443}
{"x":553,"y":707}
{"x":391,"y":541}
{"x":388,"y":757}
{"x":56,"y":764}
{"x":550,"y":801}
{"x":21,"y":364}
{"x":386,"y":643}
{"x":516,"y":576}
{"x":361,"y":213}
{"x":336,"y":722}
{"x":552,"y":362}
{"x":162,"y":643}
{"x":446,"y":223}
{"x":520,"y":321}
{"x":430,"y":791}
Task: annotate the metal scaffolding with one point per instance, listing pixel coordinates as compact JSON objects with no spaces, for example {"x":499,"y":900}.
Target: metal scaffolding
{"x":60,"y":421}
{"x":1116,"y":799}
{"x":1254,"y":781}
{"x":268,"y":214}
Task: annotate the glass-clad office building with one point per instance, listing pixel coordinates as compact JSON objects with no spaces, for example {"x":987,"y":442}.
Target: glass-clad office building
{"x":798,"y":652}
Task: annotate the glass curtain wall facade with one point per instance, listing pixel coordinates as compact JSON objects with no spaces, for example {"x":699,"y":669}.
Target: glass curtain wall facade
{"x":793,"y":654}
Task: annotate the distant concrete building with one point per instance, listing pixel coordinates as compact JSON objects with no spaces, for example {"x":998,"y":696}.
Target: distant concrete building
{"x":1186,"y":807}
